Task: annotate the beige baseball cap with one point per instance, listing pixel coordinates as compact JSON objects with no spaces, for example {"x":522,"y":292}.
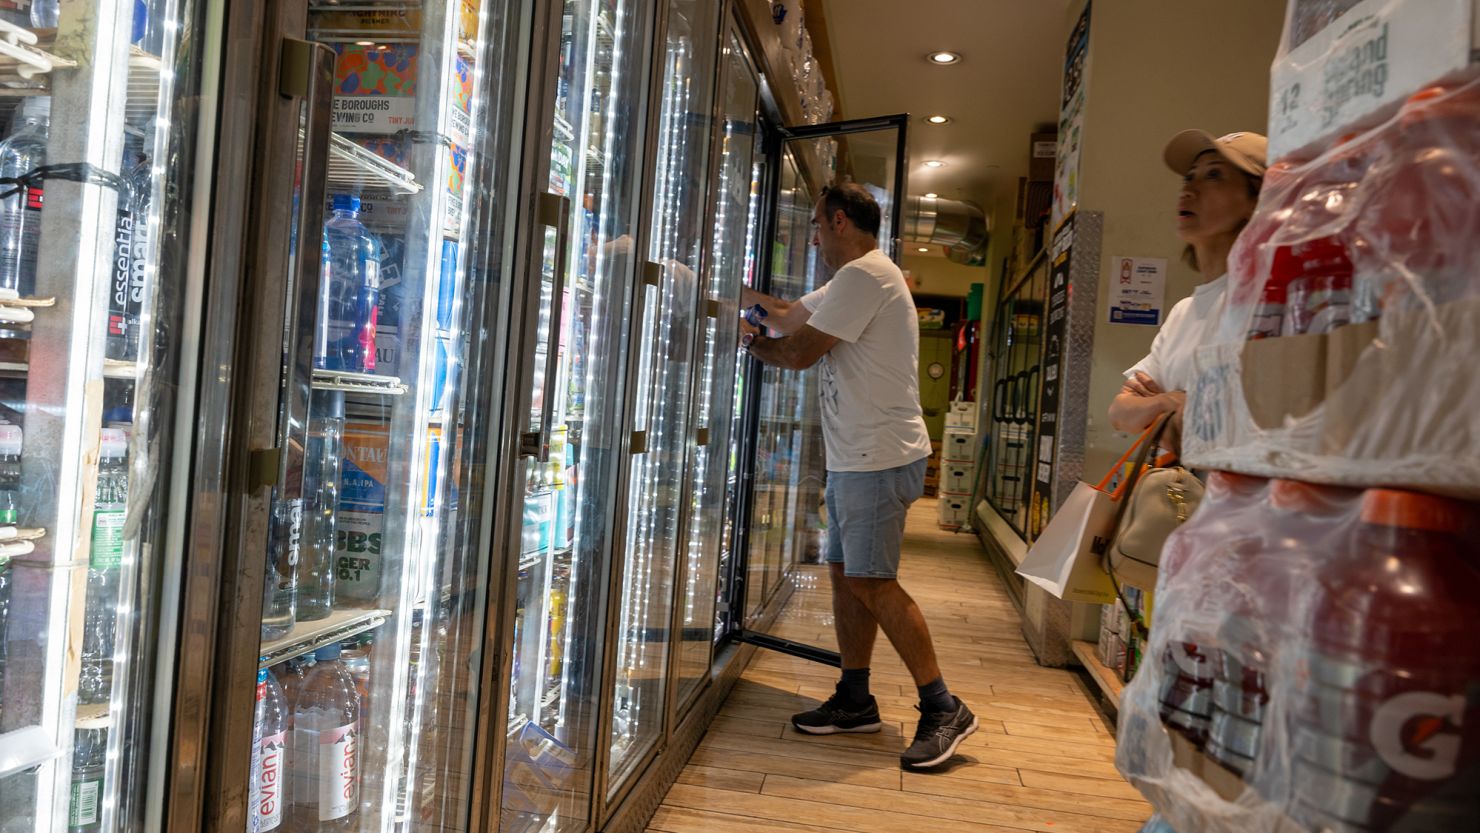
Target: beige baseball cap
{"x":1246,"y":151}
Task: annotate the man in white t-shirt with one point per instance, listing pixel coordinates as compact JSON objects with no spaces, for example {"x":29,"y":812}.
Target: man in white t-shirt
{"x":862,"y":331}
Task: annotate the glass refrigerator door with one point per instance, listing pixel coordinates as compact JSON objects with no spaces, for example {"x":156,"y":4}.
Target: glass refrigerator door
{"x":372,"y":607}
{"x":658,"y":469}
{"x":94,"y":216}
{"x":735,"y":209}
{"x":788,"y":519}
{"x":572,"y":441}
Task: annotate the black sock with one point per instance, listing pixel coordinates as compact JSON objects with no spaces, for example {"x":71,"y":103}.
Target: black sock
{"x":935,"y":697}
{"x":854,"y":685}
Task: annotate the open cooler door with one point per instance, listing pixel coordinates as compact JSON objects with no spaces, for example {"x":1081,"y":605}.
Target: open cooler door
{"x":349,"y":664}
{"x":786,"y":524}
{"x":99,"y":266}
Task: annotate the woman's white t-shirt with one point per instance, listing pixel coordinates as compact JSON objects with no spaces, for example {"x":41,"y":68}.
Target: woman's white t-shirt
{"x":1193,"y":322}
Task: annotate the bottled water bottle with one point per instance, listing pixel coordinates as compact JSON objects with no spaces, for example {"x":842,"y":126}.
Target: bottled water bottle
{"x":100,"y":615}
{"x":325,"y":793}
{"x":280,"y":584}
{"x":131,"y":253}
{"x":89,"y":759}
{"x":323,"y":454}
{"x":20,"y":214}
{"x":349,"y":292}
{"x":11,"y":439}
{"x":269,"y":755}
{"x":44,"y":13}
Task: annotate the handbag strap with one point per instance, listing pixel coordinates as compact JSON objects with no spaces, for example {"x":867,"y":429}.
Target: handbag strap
{"x":1128,"y":491}
{"x":1139,"y":443}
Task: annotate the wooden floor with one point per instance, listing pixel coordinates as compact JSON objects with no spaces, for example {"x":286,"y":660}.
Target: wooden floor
{"x":1042,"y":760}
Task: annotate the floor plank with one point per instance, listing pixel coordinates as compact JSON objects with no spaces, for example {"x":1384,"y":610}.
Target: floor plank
{"x":1042,"y":760}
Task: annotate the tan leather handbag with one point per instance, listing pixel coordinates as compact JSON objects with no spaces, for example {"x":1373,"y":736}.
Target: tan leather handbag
{"x":1153,"y":501}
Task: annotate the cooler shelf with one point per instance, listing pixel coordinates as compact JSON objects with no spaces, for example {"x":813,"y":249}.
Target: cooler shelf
{"x":352,"y":168}
{"x":358,"y":382}
{"x":308,"y":636}
{"x":144,"y":71}
{"x":25,"y":61}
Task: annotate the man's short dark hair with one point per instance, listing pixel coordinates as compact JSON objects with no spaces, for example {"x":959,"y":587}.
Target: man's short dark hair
{"x":856,"y":203}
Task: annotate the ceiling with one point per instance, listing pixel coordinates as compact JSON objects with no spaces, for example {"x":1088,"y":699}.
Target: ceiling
{"x":1004,"y":87}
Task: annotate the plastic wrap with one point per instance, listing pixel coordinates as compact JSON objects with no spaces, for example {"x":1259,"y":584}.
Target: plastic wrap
{"x":1312,"y":665}
{"x":1346,"y":352}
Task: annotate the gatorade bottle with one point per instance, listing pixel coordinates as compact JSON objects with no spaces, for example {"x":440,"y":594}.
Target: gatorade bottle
{"x":1387,"y":734}
{"x":1220,"y":524}
{"x":1299,"y":524}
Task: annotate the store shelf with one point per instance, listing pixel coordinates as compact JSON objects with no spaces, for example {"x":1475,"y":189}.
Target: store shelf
{"x":530,"y":561}
{"x":358,"y":382}
{"x":115,"y":369}
{"x":352,"y":168}
{"x":1110,"y":685}
{"x":308,"y":636}
{"x":144,"y":73}
{"x":92,"y":716}
{"x":25,"y":60}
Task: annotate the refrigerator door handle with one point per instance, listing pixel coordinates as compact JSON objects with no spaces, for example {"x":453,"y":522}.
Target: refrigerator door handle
{"x":554,"y":211}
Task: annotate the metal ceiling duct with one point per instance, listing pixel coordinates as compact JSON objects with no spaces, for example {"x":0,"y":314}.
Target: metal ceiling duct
{"x":961,"y":227}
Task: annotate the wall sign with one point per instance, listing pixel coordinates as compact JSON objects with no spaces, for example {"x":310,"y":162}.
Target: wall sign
{"x":1071,"y":122}
{"x":1138,"y":291}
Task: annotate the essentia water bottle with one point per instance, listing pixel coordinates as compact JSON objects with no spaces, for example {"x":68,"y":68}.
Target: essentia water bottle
{"x":20,"y":213}
{"x":269,"y":755}
{"x":322,"y":457}
{"x":1387,"y":721}
{"x":1191,"y":555}
{"x":1300,"y":524}
{"x":326,"y":726}
{"x":131,"y":252}
{"x":100,"y":614}
{"x":349,"y":292}
{"x":280,"y":581}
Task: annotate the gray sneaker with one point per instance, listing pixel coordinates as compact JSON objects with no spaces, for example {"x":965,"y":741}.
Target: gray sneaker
{"x":938,"y":736}
{"x":837,"y":715}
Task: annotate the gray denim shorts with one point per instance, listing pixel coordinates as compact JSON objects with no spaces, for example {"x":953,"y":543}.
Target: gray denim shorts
{"x":865,"y":514}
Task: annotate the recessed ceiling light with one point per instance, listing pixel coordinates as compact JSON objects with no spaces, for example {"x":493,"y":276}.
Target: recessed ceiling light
{"x":364,"y":43}
{"x":932,"y":195}
{"x":922,"y":249}
{"x":943,"y":58}
{"x":938,"y":119}
{"x":935,"y":163}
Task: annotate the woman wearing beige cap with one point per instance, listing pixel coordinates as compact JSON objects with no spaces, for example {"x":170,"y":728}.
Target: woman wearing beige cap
{"x":1221,"y":178}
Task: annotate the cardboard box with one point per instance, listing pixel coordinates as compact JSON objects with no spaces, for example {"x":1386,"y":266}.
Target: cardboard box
{"x":959,"y":447}
{"x":962,"y":416}
{"x":952,"y":510}
{"x":959,"y":478}
{"x":1387,"y":403}
{"x":1333,"y":73}
{"x":1043,"y":151}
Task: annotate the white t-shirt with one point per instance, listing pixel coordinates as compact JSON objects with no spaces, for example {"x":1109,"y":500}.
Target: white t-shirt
{"x":871,"y":417}
{"x":1193,"y":322}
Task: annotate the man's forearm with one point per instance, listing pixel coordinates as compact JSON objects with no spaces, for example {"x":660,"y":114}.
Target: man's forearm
{"x":780,"y":352}
{"x":784,"y":317}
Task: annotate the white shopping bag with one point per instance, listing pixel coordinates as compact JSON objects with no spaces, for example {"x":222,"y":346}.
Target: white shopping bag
{"x":1061,"y":561}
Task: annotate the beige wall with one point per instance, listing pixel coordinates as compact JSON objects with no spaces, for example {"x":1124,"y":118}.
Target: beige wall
{"x":938,"y":276}
{"x":1157,"y":68}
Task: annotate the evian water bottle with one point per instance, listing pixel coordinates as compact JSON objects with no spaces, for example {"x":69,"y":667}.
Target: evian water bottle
{"x":1387,"y":734}
{"x":325,"y":758}
{"x":269,"y":755}
{"x":349,"y":291}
